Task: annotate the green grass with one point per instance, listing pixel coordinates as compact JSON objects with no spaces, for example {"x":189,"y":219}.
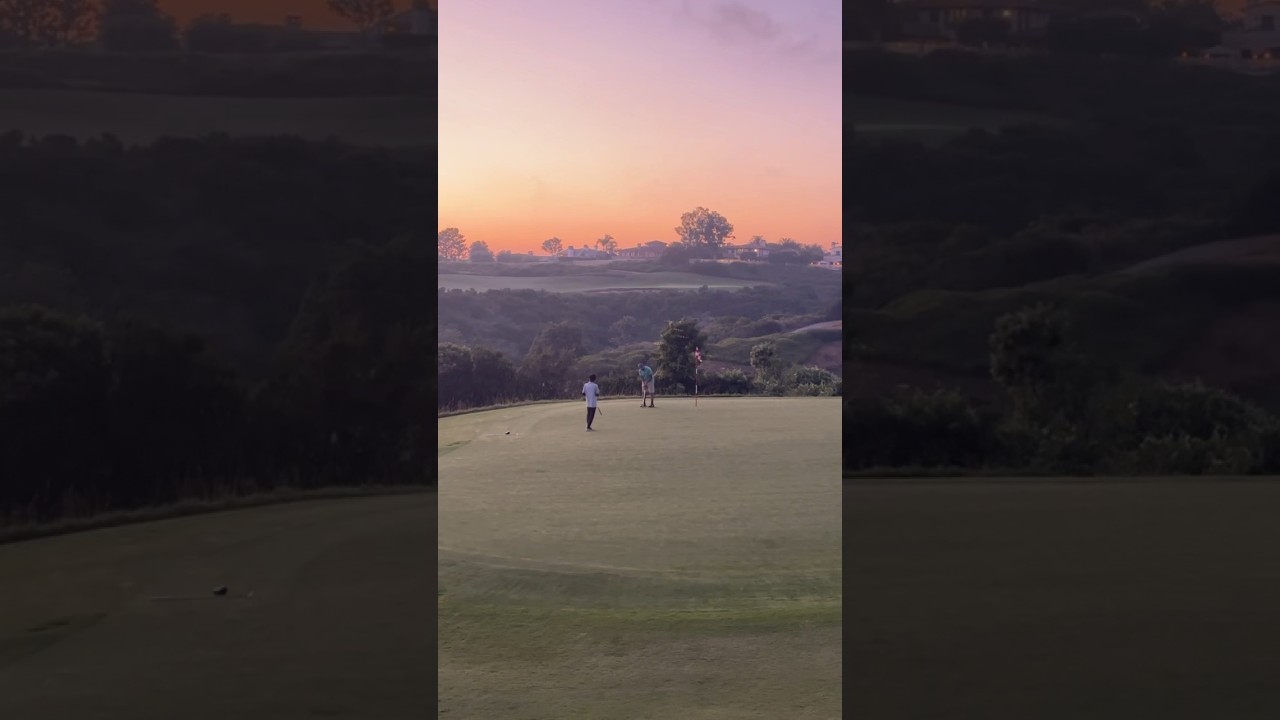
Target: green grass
{"x":791,"y":347}
{"x":679,"y":562}
{"x":18,"y":531}
{"x":323,"y":616}
{"x":140,"y":118}
{"x":879,"y":118}
{"x":1062,"y":599}
{"x":602,"y":280}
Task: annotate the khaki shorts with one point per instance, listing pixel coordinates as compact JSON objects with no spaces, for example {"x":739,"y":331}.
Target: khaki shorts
{"x":646,"y":386}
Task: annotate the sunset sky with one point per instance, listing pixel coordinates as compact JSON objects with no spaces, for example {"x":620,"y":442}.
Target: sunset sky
{"x":576,"y":118}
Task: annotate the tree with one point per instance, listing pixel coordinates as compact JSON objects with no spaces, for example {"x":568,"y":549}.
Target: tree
{"x":136,"y":26}
{"x":214,"y":34}
{"x":766,"y":363}
{"x":451,"y":244}
{"x":54,"y":384}
{"x":607,"y":244}
{"x":454,"y":372}
{"x":625,"y":330}
{"x":480,"y":252}
{"x":495,"y":377}
{"x":675,"y":352}
{"x":364,"y":14}
{"x":24,"y":20}
{"x":46,"y":22}
{"x":556,"y":348}
{"x":71,"y":22}
{"x":703,"y":228}
{"x":1025,"y":349}
{"x":552,"y":246}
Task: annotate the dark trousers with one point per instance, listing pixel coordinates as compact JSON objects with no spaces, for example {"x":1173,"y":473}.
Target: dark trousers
{"x":591,"y":415}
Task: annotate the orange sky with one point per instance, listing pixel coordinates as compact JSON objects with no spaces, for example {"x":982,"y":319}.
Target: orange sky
{"x":315,"y":13}
{"x":575,"y":118}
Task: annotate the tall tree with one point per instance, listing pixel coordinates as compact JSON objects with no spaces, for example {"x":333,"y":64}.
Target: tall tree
{"x":702,"y":228}
{"x":71,"y":22}
{"x":480,"y":252}
{"x":364,"y":14}
{"x":451,"y":244}
{"x":47,"y":22}
{"x":552,"y":246}
{"x":552,"y":353}
{"x":607,"y":244}
{"x":675,"y":352}
{"x":136,"y":26}
{"x":765,"y":361}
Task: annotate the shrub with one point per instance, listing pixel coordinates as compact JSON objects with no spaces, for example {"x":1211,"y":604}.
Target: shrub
{"x":727,"y":382}
{"x":940,"y":429}
{"x":810,"y":381}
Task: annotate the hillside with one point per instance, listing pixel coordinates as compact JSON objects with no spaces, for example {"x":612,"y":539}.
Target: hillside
{"x":505,"y":313}
{"x":1212,"y":321}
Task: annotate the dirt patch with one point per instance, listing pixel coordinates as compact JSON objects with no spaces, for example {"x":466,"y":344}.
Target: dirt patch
{"x":828,"y":325}
{"x":1264,"y":248}
{"x":830,"y":356}
{"x":1240,"y":352}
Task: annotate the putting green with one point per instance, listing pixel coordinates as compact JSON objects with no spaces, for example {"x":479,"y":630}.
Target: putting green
{"x":677,"y":562}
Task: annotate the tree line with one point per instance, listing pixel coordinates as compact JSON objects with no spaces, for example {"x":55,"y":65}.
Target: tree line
{"x":1060,"y":412}
{"x":554,"y":368}
{"x":208,"y":316}
{"x":142,"y":26}
{"x":702,"y":233}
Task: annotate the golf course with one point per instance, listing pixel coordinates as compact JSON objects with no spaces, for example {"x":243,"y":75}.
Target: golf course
{"x":142,"y":118}
{"x":325,"y":614}
{"x":1063,"y":598}
{"x":678,"y":562}
{"x":604,"y":280}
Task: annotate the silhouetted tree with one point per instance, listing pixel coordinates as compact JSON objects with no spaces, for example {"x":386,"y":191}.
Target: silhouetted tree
{"x":703,"y":228}
{"x":364,"y":14}
{"x":136,"y":26}
{"x":451,"y":244}
{"x":675,"y":362}
{"x":480,"y":252}
{"x":552,"y":246}
{"x":556,"y":348}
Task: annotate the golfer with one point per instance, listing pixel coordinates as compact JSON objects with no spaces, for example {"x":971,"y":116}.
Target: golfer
{"x":646,"y":384}
{"x":591,"y":391}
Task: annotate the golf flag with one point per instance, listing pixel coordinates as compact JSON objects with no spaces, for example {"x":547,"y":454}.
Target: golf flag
{"x":697,"y":357}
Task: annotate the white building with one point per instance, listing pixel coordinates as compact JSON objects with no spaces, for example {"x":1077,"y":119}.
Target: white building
{"x":584,"y":252}
{"x":833,"y":258}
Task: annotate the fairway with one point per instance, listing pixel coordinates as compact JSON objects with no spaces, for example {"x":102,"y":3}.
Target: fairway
{"x":141,"y":118}
{"x":680,"y":562}
{"x":605,"y":280}
{"x":928,"y":122}
{"x":1025,"y":598}
{"x":327,"y":614}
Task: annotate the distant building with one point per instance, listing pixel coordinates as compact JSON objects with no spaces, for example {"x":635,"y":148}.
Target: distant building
{"x":942,"y":19}
{"x":757,"y":249}
{"x":584,"y":252}
{"x":1259,"y":33}
{"x":647,"y":251}
{"x":833,"y":258}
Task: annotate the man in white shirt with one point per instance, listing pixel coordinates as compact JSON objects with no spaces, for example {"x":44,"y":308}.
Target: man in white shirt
{"x":591,"y":392}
